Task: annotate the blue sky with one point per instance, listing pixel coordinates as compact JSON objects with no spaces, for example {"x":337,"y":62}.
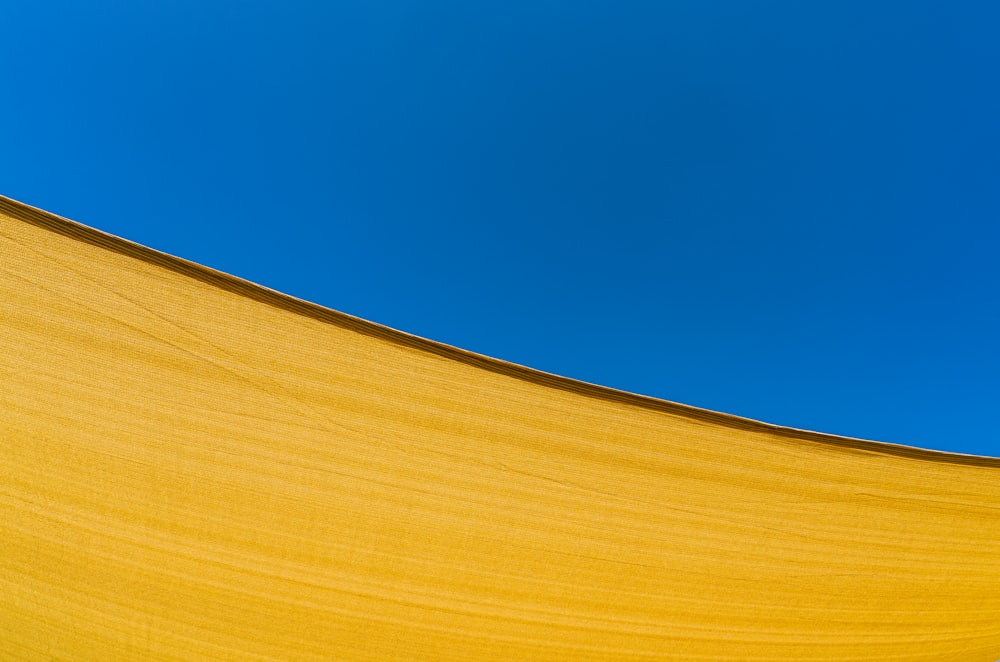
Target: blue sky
{"x":779,"y":209}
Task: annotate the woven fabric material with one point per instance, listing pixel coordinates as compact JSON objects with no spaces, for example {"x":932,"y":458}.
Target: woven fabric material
{"x":194,"y":467}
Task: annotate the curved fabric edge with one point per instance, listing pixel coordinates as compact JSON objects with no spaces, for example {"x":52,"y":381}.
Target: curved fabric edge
{"x":262,"y":294}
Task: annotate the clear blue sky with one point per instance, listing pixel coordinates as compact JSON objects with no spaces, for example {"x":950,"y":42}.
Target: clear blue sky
{"x":785,"y":210}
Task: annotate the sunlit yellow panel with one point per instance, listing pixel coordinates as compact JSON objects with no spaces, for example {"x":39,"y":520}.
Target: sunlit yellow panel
{"x":193,"y":467}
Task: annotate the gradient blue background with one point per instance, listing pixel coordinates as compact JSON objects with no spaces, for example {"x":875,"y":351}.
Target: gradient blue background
{"x":780,"y":209}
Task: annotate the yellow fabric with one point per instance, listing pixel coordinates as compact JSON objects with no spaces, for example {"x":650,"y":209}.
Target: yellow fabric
{"x":193,"y":467}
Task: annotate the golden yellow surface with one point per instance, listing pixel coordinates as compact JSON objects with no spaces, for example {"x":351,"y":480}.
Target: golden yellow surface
{"x":195,"y":468}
